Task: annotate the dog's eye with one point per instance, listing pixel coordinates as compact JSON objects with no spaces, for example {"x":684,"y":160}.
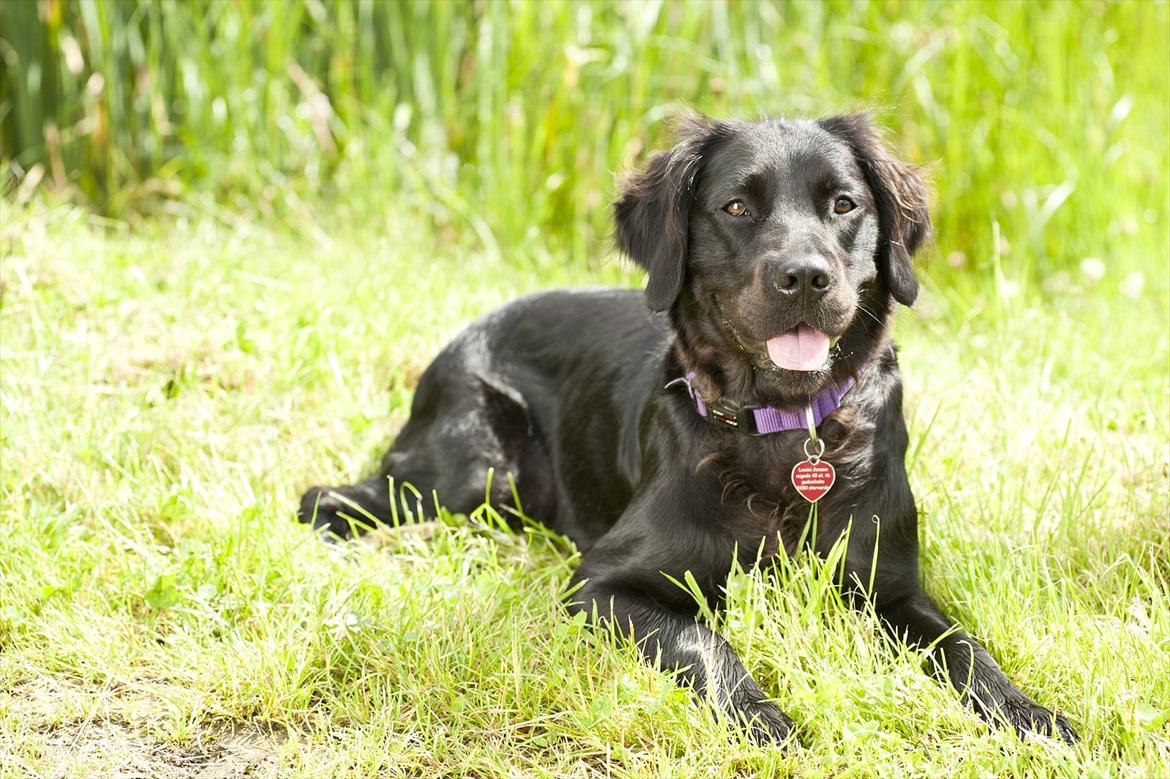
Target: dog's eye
{"x":843,"y":205}
{"x":736,"y":208}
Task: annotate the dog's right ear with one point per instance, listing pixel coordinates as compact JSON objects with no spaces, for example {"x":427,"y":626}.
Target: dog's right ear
{"x":652,"y":214}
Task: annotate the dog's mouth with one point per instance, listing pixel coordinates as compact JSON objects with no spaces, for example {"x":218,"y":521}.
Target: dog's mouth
{"x":803,"y":348}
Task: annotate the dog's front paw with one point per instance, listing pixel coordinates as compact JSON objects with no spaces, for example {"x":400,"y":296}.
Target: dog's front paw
{"x":766,"y":723}
{"x":1027,"y":717}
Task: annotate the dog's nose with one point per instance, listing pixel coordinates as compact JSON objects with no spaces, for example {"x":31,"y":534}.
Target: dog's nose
{"x":808,"y":276}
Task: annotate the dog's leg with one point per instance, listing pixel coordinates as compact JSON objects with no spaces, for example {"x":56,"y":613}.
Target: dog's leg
{"x":675,"y":642}
{"x":970,"y":669}
{"x":447,"y":448}
{"x":881,"y":566}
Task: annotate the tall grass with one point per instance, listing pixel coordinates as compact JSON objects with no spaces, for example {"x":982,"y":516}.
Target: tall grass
{"x":506,"y":122}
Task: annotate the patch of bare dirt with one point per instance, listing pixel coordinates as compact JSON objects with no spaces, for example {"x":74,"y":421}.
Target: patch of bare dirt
{"x":67,"y":731}
{"x":112,"y":749}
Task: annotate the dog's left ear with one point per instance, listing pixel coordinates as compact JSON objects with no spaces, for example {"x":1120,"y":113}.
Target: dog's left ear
{"x":652,"y":216}
{"x":900,"y":195}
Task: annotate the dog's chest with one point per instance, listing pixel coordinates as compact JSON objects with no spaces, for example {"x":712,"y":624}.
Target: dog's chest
{"x":761,"y":506}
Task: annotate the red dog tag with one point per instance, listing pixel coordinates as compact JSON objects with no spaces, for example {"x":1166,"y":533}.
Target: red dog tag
{"x":812,"y":478}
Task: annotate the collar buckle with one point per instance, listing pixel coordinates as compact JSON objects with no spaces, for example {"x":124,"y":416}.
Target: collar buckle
{"x":722,"y":413}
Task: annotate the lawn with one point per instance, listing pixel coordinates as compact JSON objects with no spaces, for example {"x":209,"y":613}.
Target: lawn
{"x":167,"y":392}
{"x":232,"y":235}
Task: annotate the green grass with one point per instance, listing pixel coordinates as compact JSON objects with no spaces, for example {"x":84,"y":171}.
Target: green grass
{"x":234,"y":233}
{"x":505,"y":121}
{"x":167,"y":391}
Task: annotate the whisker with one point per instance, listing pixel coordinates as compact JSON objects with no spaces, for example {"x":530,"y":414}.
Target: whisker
{"x":871,"y":314}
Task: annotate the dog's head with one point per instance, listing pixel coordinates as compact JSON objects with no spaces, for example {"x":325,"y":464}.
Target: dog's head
{"x":777,"y":246}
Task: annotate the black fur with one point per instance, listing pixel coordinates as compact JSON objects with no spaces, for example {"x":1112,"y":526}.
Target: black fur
{"x":565,"y":390}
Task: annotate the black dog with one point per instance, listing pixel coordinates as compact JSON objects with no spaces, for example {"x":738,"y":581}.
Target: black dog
{"x":775,"y":253}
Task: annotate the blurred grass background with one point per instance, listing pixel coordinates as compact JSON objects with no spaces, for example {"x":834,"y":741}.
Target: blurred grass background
{"x":502,"y":124}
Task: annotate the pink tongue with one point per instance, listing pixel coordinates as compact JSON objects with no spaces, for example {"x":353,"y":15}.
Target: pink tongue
{"x":800,"y":349}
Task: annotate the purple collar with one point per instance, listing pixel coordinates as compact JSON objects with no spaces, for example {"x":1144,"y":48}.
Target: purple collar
{"x":762,"y":420}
